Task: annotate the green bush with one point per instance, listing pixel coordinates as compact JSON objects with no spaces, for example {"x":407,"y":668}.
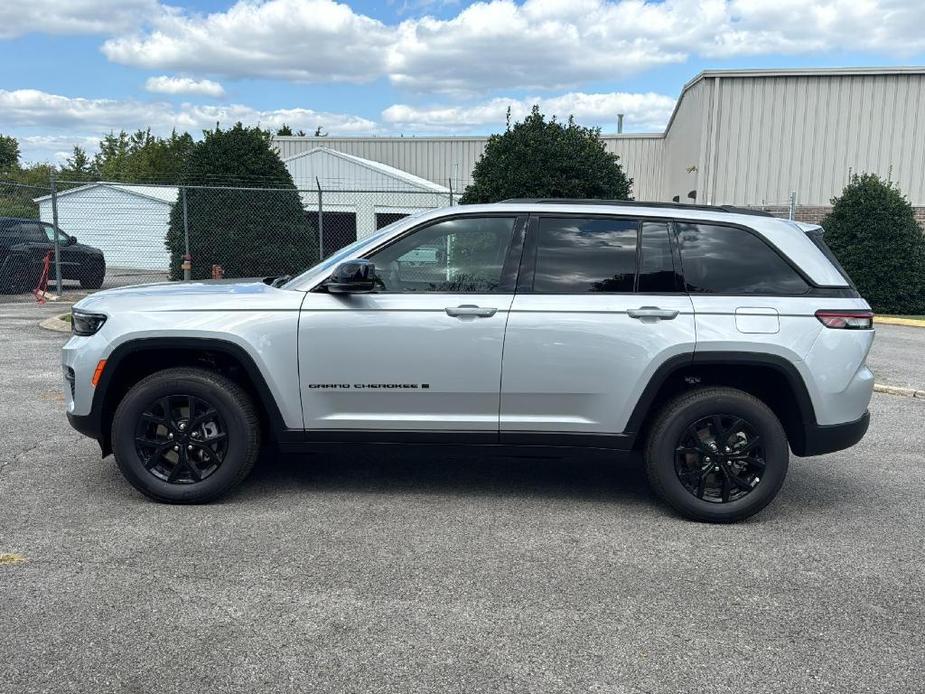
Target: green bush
{"x":257,"y":228}
{"x":547,"y":159}
{"x":873,"y":233}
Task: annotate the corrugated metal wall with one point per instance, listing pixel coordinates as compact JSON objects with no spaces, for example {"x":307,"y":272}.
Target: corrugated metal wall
{"x":743,"y":140}
{"x":806,"y":133}
{"x":436,"y":159}
{"x":441,"y":158}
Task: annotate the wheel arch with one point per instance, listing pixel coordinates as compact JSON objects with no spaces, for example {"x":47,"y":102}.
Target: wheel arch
{"x":759,"y":373}
{"x":133,"y":360}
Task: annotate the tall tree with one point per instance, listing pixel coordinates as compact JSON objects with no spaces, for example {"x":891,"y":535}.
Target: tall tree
{"x":541,"y":158}
{"x":873,"y":233}
{"x":79,"y":166}
{"x":248,"y":218}
{"x":9,"y":153}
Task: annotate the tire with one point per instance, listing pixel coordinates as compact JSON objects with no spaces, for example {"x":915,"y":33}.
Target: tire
{"x":162,"y":443}
{"x":92,"y":276}
{"x":707,"y":465}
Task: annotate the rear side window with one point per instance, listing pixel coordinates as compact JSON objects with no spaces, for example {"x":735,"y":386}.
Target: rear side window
{"x":728,"y":260}
{"x":816,"y":236}
{"x":577,"y":255}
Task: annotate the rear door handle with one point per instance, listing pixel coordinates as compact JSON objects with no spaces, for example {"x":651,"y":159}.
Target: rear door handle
{"x":653,"y":312}
{"x":470,"y":310}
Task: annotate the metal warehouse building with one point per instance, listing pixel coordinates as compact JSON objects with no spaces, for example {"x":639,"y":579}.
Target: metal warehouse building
{"x":740,"y":137}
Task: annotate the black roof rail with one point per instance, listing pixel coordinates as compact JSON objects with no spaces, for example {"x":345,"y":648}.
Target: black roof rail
{"x":641,"y":203}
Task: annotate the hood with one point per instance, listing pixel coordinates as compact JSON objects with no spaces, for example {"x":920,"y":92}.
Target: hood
{"x":198,"y":295}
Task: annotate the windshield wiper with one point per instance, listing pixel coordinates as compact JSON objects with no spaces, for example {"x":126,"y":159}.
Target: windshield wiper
{"x":279,"y":281}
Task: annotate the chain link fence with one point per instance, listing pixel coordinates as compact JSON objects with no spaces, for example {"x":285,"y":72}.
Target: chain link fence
{"x":115,"y":234}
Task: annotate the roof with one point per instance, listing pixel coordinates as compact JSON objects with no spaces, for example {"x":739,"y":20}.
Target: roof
{"x":165,"y":194}
{"x":729,"y":209}
{"x":384,"y":169}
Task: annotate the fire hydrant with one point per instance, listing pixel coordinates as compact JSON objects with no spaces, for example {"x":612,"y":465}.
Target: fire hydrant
{"x":217,"y":272}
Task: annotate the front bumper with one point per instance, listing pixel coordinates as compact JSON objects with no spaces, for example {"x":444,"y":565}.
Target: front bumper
{"x":820,"y":439}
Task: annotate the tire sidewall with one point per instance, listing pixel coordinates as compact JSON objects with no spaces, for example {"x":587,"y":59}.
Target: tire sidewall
{"x":144,"y":395}
{"x":776,"y":450}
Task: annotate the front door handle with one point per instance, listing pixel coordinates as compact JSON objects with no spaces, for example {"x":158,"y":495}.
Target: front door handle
{"x":653,"y":312}
{"x":470,"y":310}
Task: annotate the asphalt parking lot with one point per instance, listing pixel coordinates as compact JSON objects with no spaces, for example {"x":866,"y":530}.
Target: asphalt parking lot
{"x":389,"y":570}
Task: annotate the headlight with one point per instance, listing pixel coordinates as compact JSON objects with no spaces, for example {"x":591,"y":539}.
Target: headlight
{"x":83,"y":323}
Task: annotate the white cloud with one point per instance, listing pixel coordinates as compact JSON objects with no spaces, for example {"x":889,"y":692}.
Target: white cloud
{"x":19,"y":17}
{"x":165,"y":84}
{"x":643,"y":112}
{"x":307,"y":40}
{"x":500,"y":44}
{"x":44,"y":122}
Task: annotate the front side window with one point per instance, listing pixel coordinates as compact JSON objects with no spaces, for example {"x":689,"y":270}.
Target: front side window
{"x":728,"y":260}
{"x":576,"y":255}
{"x":32,"y":232}
{"x":460,"y":256}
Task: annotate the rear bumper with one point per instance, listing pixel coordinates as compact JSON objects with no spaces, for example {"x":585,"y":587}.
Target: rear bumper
{"x":835,"y":437}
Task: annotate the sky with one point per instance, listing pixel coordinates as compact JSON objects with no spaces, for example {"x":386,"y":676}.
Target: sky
{"x":73,"y":70}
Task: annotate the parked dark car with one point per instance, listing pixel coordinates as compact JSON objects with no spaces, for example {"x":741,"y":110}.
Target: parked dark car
{"x":23,"y":245}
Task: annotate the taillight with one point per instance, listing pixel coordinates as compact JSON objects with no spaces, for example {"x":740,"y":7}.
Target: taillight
{"x":846,"y":320}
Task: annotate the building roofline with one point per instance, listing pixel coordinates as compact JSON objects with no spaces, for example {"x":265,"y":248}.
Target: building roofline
{"x":788,"y":72}
{"x":376,"y":166}
{"x":122,"y":187}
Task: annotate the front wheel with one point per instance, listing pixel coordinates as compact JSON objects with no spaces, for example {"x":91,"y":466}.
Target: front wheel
{"x":185,"y":435}
{"x":717,"y":455}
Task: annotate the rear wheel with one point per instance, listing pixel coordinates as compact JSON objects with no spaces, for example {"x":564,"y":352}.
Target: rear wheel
{"x":718,"y":455}
{"x":185,"y":435}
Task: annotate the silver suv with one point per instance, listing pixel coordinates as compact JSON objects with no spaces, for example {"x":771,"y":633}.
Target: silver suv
{"x":710,"y":339}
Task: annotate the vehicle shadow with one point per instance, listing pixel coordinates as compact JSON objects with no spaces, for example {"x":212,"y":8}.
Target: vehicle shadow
{"x":596,"y":476}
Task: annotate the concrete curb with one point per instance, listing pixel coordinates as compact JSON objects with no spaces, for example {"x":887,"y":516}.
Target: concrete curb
{"x":909,"y":322}
{"x":897,"y":390}
{"x":55,"y":323}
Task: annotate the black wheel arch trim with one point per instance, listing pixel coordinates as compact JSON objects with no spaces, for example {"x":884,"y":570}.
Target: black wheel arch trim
{"x":94,"y":426}
{"x":810,"y":438}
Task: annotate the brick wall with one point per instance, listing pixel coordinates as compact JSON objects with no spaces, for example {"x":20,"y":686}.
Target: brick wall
{"x":815,"y":214}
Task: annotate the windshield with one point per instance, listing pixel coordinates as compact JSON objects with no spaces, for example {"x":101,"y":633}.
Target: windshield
{"x":328,"y":264}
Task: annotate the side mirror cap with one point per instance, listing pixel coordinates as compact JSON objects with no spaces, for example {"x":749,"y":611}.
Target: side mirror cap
{"x":352,"y":277}
{"x":71,"y":240}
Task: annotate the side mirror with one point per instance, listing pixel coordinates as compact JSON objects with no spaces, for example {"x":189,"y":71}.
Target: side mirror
{"x":353,"y":277}
{"x":71,"y":240}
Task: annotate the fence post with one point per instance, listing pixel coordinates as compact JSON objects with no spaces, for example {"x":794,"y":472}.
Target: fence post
{"x":450,"y":181}
{"x":54,"y":219}
{"x":187,"y":258}
{"x":320,"y":222}
{"x":793,"y":204}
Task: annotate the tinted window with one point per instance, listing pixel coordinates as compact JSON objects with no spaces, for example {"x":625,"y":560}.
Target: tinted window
{"x":656,"y":267}
{"x":727,"y":260}
{"x":576,"y":255}
{"x":31,"y":231}
{"x":461,"y":256}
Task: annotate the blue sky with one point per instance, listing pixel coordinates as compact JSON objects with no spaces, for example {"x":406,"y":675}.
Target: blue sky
{"x":71,"y":71}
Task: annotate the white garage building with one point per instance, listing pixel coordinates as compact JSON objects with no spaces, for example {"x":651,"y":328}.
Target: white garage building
{"x":127,"y":222}
{"x":359,"y":195}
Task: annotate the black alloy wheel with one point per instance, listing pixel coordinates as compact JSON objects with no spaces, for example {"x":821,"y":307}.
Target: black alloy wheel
{"x":181,"y":439}
{"x":720,"y":458}
{"x":185,"y":435}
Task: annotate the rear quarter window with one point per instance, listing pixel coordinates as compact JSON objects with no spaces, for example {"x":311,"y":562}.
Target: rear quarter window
{"x":719,"y":259}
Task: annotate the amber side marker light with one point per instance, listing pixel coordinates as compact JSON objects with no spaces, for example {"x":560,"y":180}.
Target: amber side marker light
{"x":846,"y":320}
{"x":98,"y":373}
